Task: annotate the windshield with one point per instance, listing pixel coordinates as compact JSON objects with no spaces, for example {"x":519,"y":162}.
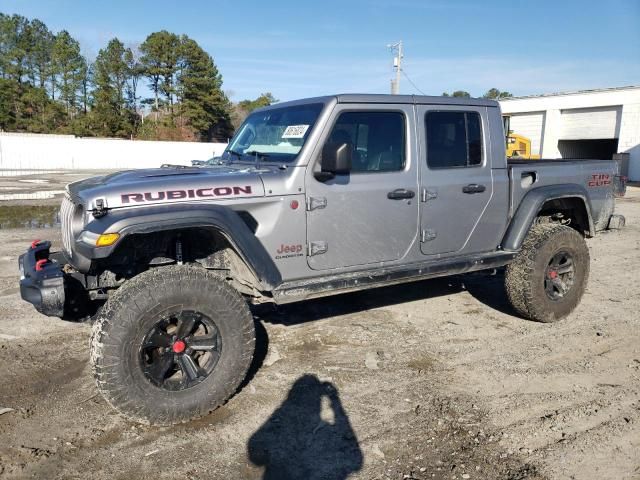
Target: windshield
{"x":275,"y":135}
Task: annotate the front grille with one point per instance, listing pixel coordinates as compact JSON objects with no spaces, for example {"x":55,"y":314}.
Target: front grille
{"x":67,"y":210}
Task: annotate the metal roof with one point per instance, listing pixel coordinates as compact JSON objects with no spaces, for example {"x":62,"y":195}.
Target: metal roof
{"x":575,"y":92}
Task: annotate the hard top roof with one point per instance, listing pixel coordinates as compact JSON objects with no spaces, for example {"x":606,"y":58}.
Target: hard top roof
{"x":391,"y":99}
{"x":413,"y":99}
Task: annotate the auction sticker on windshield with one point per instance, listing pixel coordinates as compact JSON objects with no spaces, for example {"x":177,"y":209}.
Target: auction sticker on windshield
{"x":295,"y":131}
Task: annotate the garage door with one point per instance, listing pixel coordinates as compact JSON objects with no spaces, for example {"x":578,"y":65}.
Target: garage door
{"x":601,"y":149}
{"x":590,"y":123}
{"x":529,"y":125}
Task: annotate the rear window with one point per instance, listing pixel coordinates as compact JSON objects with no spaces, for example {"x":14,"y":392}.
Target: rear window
{"x":454,"y":139}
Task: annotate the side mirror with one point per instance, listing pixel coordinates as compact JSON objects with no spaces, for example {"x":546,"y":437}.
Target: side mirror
{"x":336,"y":160}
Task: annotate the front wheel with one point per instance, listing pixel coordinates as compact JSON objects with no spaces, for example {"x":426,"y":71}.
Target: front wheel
{"x":548,"y":277}
{"x":171,"y":345}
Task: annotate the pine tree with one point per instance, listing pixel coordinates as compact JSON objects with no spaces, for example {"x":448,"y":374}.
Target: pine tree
{"x":202,"y":102}
{"x":14,"y":46}
{"x":68,"y":65}
{"x":160,"y":53}
{"x":110,"y":72}
{"x":135,"y":70}
{"x":39,"y":56}
{"x":84,"y":76}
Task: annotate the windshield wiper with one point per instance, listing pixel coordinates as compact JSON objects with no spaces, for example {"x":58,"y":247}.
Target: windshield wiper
{"x":255,"y":153}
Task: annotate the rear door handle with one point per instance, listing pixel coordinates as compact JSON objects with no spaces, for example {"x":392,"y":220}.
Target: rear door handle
{"x":473,"y":188}
{"x":400,"y":193}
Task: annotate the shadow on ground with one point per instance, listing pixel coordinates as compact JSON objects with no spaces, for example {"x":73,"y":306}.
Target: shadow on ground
{"x":308,"y":436}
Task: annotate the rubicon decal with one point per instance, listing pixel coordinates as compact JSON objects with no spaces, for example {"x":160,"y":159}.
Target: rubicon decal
{"x":182,"y":194}
{"x":599,"y":180}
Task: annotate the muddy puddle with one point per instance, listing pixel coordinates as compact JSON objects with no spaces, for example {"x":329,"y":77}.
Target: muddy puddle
{"x":29,"y":216}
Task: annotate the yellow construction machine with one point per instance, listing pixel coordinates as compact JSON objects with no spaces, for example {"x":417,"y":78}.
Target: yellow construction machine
{"x":518,"y":146}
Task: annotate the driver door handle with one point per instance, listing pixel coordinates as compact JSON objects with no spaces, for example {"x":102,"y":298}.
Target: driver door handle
{"x":473,"y":188}
{"x":400,"y":193}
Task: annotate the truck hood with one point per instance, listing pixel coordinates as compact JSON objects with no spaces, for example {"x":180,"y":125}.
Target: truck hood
{"x":167,"y":185}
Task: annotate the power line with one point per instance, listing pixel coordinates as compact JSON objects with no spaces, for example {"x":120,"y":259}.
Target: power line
{"x":396,"y":49}
{"x":411,"y":82}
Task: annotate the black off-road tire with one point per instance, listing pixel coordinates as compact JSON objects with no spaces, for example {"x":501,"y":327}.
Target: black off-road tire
{"x":527,"y":276}
{"x":126,"y":318}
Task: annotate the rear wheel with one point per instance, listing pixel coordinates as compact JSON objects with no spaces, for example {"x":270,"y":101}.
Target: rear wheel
{"x":548,"y":277}
{"x":171,"y":345}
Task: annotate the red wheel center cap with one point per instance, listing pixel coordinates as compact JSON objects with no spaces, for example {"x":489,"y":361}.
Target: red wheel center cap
{"x":553,"y":274}
{"x":178,"y":346}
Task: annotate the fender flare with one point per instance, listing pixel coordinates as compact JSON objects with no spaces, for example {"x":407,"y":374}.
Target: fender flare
{"x":128,"y":221}
{"x":531,"y":205}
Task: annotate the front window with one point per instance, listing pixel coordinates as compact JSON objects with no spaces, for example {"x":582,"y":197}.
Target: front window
{"x":376,"y":139}
{"x":274,"y":135}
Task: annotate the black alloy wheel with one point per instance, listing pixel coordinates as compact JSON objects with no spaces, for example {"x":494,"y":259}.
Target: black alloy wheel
{"x":559,"y":275}
{"x":180,"y":350}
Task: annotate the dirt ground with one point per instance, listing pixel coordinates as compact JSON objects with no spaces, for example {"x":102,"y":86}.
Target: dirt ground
{"x":436,"y":379}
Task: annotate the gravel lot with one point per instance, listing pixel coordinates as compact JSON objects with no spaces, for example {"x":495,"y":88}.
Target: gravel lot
{"x":436,"y":379}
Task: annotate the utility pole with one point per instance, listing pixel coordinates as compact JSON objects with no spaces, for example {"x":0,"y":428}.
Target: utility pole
{"x":396,"y":49}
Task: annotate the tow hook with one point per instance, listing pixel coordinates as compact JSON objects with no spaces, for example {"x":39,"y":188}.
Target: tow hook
{"x":41,"y":263}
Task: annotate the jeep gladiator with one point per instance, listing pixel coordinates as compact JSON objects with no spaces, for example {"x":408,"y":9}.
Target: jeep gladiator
{"x":312,"y":197}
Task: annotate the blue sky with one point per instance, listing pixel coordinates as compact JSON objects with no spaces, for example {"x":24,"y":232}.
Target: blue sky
{"x":305,"y":48}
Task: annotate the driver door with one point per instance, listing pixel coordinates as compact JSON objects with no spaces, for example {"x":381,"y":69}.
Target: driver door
{"x":369,"y":216}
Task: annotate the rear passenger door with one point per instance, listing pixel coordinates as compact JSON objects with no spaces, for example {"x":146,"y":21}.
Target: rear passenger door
{"x":455,"y":176}
{"x":370,"y":215}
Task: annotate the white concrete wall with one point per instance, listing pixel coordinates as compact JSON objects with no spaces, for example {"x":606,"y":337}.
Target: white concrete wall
{"x":630,"y":138}
{"x":52,"y":152}
{"x":555,"y":106}
{"x":551,"y":134}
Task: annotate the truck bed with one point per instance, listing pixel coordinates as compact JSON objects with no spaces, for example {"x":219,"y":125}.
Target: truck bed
{"x":526,"y":161}
{"x":595,"y":176}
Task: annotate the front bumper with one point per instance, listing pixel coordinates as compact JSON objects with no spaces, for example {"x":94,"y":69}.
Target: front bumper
{"x":42,"y":281}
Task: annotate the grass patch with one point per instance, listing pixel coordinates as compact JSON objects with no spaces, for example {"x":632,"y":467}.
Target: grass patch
{"x":29,"y":216}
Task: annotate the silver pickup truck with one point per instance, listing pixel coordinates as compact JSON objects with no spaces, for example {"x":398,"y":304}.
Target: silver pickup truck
{"x":312,"y":197}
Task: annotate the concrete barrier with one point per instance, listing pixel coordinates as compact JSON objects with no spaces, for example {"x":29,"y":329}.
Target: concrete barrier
{"x":27,"y":151}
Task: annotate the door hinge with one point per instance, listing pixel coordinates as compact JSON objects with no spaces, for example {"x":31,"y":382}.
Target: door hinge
{"x":426,"y":194}
{"x":316,"y":202}
{"x":317,"y":248}
{"x":427,"y":235}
